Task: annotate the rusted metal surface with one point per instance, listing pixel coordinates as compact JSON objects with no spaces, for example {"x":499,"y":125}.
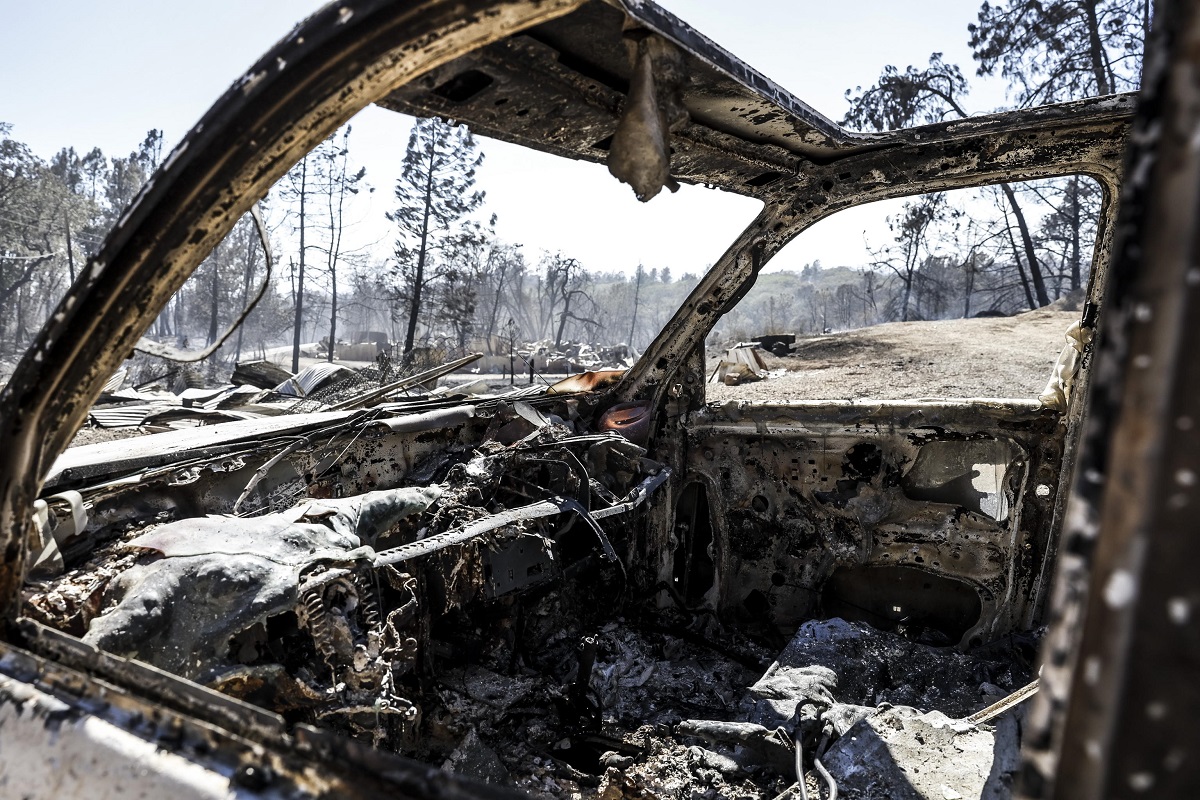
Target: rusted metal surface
{"x":1116,"y":715}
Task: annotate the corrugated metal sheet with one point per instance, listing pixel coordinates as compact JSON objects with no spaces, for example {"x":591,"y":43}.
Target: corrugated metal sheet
{"x":120,"y":416}
{"x":167,"y":415}
{"x":201,"y":396}
{"x":131,"y":416}
{"x":307,"y":380}
{"x":116,"y":381}
{"x":532,"y":390}
{"x":231,"y":396}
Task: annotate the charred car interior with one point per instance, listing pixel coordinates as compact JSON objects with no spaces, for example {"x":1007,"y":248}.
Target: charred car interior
{"x":605,"y":588}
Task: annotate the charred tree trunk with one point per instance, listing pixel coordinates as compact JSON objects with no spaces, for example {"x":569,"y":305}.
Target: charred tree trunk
{"x":1035,"y":271}
{"x":332,"y":314}
{"x":1096,"y":49}
{"x":491,"y":326}
{"x":562,"y":325}
{"x":245,"y":296}
{"x":970,"y":287}
{"x":179,"y":311}
{"x":414,"y":306}
{"x":1020,"y":268}
{"x":637,"y":295}
{"x":300,"y":275}
{"x":214,"y":298}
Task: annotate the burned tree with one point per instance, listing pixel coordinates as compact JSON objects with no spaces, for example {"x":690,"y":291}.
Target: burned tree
{"x":296,"y":188}
{"x":502,"y":264}
{"x":911,"y":228}
{"x":566,"y":287}
{"x":899,"y":99}
{"x":1062,"y":50}
{"x":335,"y":181}
{"x":436,"y":193}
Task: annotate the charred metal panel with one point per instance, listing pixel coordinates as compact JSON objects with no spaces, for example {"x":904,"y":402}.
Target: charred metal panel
{"x":561,"y":88}
{"x":946,"y":489}
{"x":935,"y":519}
{"x":1117,"y":711}
{"x":337,"y":461}
{"x":910,"y":599}
{"x":112,"y":740}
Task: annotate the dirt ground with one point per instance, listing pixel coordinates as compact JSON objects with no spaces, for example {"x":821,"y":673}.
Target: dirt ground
{"x":1008,"y":357}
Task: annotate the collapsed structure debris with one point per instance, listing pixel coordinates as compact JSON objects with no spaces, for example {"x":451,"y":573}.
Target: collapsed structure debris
{"x":741,"y":364}
{"x":263,"y":388}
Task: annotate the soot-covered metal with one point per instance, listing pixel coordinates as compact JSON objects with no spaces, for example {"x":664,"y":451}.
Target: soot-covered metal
{"x":608,"y":589}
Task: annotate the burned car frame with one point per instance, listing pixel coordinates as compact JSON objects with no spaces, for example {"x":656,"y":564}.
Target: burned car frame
{"x":270,"y":588}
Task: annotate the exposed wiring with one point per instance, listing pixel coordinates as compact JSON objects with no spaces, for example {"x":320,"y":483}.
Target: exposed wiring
{"x":830,"y":783}
{"x":800,"y":770}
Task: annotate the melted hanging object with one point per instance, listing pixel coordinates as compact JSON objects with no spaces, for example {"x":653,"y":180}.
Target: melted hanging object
{"x":640,"y":154}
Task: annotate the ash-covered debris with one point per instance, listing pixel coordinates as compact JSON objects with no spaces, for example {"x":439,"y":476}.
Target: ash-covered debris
{"x":904,"y":754}
{"x":594,"y":714}
{"x":486,"y":608}
{"x":873,"y":667}
{"x":878,"y":707}
{"x":220,"y":576}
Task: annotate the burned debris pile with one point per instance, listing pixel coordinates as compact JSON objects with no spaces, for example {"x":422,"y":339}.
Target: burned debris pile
{"x":466,"y":582}
{"x":173,"y":397}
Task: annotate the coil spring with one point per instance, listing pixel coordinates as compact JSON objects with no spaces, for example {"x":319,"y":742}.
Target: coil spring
{"x":368,"y":602}
{"x":318,"y":625}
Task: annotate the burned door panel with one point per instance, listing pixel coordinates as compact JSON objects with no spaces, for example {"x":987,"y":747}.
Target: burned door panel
{"x":974,"y":474}
{"x":937,"y":609}
{"x":818,"y":503}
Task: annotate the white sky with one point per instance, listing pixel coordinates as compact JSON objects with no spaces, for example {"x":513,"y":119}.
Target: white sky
{"x":86,"y":73}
